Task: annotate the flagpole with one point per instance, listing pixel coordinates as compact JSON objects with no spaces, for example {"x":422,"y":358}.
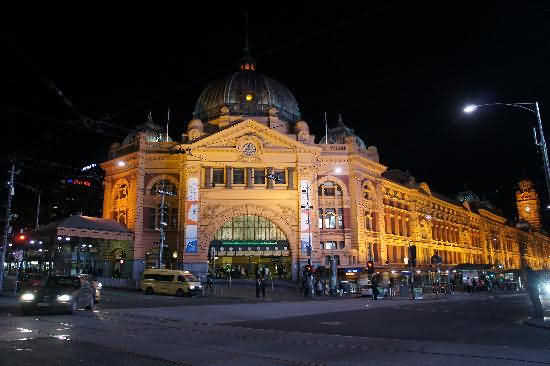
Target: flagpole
{"x":167,"y":123}
{"x":326,"y":129}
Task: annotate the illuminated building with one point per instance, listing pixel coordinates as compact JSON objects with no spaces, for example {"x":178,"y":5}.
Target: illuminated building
{"x":254,"y":187}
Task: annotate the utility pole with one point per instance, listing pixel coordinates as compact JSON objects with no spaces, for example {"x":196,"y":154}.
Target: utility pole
{"x":163,"y":224}
{"x":11,"y":193}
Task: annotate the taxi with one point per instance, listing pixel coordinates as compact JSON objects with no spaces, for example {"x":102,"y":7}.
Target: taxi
{"x":170,"y":282}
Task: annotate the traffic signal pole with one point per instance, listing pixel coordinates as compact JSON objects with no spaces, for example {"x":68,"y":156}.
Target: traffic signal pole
{"x":11,"y":193}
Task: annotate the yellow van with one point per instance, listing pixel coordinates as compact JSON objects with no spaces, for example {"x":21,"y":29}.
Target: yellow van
{"x":170,"y":282}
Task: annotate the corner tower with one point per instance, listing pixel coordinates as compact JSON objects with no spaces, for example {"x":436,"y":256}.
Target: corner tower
{"x":528,"y":205}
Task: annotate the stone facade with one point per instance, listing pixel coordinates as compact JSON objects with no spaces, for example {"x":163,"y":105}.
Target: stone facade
{"x":380,"y":216}
{"x":333,"y":196}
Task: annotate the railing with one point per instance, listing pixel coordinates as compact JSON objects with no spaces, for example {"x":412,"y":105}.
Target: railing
{"x":333,"y":147}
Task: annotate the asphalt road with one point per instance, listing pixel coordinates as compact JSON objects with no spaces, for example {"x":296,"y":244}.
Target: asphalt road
{"x":458,"y":330}
{"x":486,"y":321}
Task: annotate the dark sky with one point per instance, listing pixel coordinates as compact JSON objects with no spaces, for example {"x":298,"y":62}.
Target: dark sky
{"x":400,"y":76}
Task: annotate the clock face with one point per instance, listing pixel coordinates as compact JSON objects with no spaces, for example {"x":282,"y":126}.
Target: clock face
{"x":249,"y":149}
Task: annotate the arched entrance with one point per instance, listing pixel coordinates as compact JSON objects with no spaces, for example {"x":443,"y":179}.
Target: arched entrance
{"x":247,"y":244}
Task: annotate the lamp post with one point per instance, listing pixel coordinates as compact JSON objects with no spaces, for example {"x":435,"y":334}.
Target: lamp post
{"x":532,"y":107}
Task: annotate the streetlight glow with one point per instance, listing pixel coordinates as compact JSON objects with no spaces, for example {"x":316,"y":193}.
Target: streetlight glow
{"x":470,"y":108}
{"x":121,"y":163}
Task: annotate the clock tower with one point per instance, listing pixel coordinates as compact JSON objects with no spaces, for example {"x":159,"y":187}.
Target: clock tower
{"x":528,"y":204}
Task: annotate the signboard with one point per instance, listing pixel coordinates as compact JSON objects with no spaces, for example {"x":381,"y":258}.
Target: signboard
{"x":246,"y":242}
{"x":417,"y":291}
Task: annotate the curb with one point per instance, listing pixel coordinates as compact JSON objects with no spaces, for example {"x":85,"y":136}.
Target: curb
{"x":537,"y":323}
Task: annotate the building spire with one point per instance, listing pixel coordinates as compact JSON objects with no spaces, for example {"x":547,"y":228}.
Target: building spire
{"x":247,"y":62}
{"x":340,"y":120}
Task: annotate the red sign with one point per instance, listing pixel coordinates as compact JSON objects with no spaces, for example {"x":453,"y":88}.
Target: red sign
{"x":80,"y":182}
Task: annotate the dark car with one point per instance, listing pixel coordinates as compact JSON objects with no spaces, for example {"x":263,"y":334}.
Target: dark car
{"x":58,"y":293}
{"x":29,"y":281}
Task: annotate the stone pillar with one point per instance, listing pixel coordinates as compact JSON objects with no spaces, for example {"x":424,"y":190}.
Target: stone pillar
{"x":229,"y":177}
{"x":269,"y":181}
{"x":290,"y":178}
{"x":249,"y":181}
{"x":207,"y":177}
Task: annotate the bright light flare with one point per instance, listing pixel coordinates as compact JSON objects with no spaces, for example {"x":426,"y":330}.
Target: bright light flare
{"x":27,"y":297}
{"x":121,"y":163}
{"x":470,"y":108}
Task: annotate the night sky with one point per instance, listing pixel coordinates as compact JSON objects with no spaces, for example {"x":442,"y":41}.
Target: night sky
{"x":400,"y":76}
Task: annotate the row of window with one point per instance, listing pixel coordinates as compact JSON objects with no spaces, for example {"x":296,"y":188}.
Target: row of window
{"x":397,"y":225}
{"x":331,"y":218}
{"x":333,"y":245}
{"x":240,"y":175}
{"x":445,"y":234}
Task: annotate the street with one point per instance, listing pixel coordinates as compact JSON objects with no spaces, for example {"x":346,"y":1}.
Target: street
{"x":129,"y":328}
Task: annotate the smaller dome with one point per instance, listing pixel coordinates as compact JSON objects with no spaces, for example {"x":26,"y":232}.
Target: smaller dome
{"x":152,"y":131}
{"x":302,"y":126}
{"x":340,"y":134}
{"x":195,"y":124}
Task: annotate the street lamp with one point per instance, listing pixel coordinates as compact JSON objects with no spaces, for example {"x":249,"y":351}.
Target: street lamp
{"x":532,"y":107}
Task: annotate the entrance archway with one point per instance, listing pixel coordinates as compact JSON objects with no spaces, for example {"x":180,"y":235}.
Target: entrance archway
{"x":250,"y":245}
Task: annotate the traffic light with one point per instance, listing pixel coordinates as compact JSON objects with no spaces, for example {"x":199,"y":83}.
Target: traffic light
{"x":370,"y":267}
{"x":21,"y":237}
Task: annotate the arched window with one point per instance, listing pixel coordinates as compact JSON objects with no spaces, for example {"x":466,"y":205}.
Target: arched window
{"x":163,"y":185}
{"x":329,"y":189}
{"x":366,"y":192}
{"x":249,"y":227}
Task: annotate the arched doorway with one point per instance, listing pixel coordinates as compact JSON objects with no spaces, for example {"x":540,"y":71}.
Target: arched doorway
{"x":247,"y":244}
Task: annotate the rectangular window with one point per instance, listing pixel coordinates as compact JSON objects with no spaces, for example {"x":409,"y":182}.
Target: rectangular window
{"x":329,"y":191}
{"x":217,"y":175}
{"x":322,"y":246}
{"x":174,"y":218}
{"x":151,"y":219}
{"x":238,"y":176}
{"x":280,"y":176}
{"x":330,"y":245}
{"x":320,"y":218}
{"x":375,"y":252}
{"x":341,"y":218}
{"x":329,"y":221}
{"x":337,"y":259}
{"x":259,"y":176}
{"x":341,"y":244}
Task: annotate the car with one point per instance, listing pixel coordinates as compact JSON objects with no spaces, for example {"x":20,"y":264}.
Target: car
{"x":96,"y":285}
{"x":29,"y":280}
{"x":170,"y":282}
{"x":63,"y":294}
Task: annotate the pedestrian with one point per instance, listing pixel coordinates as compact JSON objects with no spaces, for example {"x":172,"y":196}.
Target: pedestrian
{"x":374,"y":288}
{"x":319,"y":288}
{"x":258,"y":285}
{"x":474,"y":284}
{"x":262,"y":287}
{"x":533,"y":290}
